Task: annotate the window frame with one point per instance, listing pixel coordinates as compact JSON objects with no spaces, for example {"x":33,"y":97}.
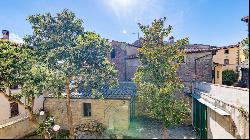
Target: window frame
{"x":225,"y":61}
{"x":15,"y":112}
{"x":226,"y":51}
{"x":83,"y":109}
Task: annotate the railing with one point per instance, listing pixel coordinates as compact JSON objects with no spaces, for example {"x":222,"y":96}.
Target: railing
{"x":6,"y":122}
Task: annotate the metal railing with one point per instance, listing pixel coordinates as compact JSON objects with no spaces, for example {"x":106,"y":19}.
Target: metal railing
{"x":6,"y":122}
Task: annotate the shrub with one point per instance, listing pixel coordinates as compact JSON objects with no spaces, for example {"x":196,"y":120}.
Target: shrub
{"x":229,"y":77}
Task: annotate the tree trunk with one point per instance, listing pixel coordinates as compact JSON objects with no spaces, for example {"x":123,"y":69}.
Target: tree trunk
{"x":165,"y":133}
{"x":69,"y":111}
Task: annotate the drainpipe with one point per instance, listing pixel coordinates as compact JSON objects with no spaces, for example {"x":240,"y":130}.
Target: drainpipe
{"x":214,"y":73}
{"x":125,"y":58}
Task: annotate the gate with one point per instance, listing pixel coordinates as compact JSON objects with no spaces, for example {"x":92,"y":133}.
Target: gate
{"x":200,"y":119}
{"x":132,"y":108}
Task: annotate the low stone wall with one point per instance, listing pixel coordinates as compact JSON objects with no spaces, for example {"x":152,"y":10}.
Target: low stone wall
{"x":17,"y":130}
{"x":232,"y":100}
{"x":113,"y":113}
{"x":232,"y":95}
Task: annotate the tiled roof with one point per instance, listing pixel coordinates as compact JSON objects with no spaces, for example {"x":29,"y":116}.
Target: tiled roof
{"x":124,"y":90}
{"x":190,"y":48}
{"x":229,"y":46}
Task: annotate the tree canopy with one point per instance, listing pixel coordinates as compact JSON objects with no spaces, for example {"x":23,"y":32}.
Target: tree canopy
{"x":71,"y":54}
{"x":157,"y":78}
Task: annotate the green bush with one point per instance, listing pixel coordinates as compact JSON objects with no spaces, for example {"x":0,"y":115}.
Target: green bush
{"x":229,"y":77}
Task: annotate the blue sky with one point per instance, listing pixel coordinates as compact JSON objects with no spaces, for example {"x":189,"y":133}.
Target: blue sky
{"x":211,"y":22}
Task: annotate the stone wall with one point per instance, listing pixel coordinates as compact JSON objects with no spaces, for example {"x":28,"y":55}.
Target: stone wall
{"x":113,"y":113}
{"x":17,"y":130}
{"x":126,"y":63}
{"x":126,"y":67}
{"x":131,"y":65}
{"x":203,"y":69}
{"x":119,"y":59}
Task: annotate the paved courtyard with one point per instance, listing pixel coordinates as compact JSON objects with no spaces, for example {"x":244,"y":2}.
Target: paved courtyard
{"x":149,"y":128}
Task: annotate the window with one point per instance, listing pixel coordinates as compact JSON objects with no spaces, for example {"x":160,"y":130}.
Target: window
{"x":14,"y":109}
{"x":14,"y":86}
{"x":87,"y":109}
{"x":226,"y":52}
{"x":113,"y":53}
{"x":226,"y":61}
{"x":218,"y":74}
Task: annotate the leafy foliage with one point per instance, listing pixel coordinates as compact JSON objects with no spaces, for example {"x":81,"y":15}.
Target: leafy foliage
{"x":14,"y":63}
{"x":157,"y":78}
{"x":71,"y":55}
{"x":245,"y":43}
{"x":62,"y":45}
{"x":46,"y":126}
{"x":229,"y":77}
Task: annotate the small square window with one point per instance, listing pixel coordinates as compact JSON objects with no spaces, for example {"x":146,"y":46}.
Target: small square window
{"x":226,"y":61}
{"x":14,"y":109}
{"x":87,"y":109}
{"x":226,"y":52}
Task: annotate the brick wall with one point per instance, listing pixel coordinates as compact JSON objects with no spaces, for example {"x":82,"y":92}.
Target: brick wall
{"x":112,"y":113}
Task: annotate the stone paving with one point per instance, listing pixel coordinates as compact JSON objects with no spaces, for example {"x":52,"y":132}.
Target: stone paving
{"x":152,"y":129}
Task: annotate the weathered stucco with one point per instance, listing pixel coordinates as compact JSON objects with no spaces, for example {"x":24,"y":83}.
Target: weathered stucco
{"x":113,"y":113}
{"x":17,"y":130}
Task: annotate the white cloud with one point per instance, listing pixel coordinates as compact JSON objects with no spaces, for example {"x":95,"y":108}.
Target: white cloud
{"x":124,"y":31}
{"x":15,"y":38}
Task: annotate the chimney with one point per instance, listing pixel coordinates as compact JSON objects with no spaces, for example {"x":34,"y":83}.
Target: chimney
{"x":171,"y":39}
{"x":5,"y":34}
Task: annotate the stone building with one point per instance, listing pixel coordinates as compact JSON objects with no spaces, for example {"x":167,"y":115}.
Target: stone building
{"x":114,"y":111}
{"x":197,"y":64}
{"x":230,"y":57}
{"x":124,"y":57}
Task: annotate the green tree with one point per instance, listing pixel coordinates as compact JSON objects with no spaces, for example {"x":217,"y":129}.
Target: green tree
{"x":157,"y":79}
{"x":61,"y":44}
{"x":18,"y":68}
{"x":13,"y":62}
{"x":229,"y":77}
{"x":245,"y":44}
